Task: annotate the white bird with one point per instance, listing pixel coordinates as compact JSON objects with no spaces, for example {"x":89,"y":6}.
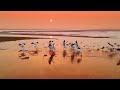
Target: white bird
{"x":51,"y":45}
{"x":35,"y":44}
{"x":22,"y":45}
{"x":64,"y":44}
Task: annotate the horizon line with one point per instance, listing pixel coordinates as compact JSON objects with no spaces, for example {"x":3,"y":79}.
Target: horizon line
{"x":102,"y":29}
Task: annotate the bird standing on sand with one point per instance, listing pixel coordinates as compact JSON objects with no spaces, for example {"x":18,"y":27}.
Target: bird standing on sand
{"x":77,"y":46}
{"x":35,"y":44}
{"x":64,"y":44}
{"x":22,"y":45}
{"x":23,"y":49}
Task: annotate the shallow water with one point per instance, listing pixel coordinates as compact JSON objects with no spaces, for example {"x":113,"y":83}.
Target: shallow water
{"x":93,"y":64}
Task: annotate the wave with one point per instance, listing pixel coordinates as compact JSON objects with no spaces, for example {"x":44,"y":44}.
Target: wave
{"x":85,"y":34}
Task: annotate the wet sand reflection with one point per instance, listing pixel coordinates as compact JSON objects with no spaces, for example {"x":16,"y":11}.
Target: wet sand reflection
{"x":76,"y":56}
{"x":51,"y":57}
{"x":64,"y":53}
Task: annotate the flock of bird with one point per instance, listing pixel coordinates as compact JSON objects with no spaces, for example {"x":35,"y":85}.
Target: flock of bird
{"x":74,"y":48}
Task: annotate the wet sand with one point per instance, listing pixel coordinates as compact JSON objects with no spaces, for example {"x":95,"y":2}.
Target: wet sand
{"x":4,"y":39}
{"x":94,"y":64}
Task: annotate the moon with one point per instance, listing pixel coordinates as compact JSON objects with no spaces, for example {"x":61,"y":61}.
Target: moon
{"x":51,"y":20}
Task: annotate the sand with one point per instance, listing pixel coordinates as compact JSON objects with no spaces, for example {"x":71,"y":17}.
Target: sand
{"x":94,"y":64}
{"x":4,"y":39}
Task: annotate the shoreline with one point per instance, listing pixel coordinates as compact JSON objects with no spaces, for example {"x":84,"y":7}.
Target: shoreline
{"x":50,"y":34}
{"x":4,"y":39}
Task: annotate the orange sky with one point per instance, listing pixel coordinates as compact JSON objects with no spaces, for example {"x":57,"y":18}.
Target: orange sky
{"x":61,"y":19}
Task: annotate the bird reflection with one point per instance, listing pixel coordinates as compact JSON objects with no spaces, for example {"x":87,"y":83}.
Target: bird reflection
{"x":72,"y":56}
{"x":52,"y":54}
{"x":76,"y":56}
{"x":79,"y":60}
{"x":79,"y":57}
{"x":34,"y":52}
{"x":118,"y":63}
{"x":111,"y":55}
{"x":51,"y":59}
{"x":64,"y":53}
{"x":23,"y":56}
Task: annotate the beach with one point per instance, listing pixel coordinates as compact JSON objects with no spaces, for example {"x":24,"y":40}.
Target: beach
{"x":94,"y":63}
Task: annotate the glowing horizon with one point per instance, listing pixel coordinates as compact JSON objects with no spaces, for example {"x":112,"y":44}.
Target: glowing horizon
{"x":62,"y":20}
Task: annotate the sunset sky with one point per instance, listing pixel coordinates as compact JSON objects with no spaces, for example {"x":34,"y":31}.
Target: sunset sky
{"x":60,"y":19}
